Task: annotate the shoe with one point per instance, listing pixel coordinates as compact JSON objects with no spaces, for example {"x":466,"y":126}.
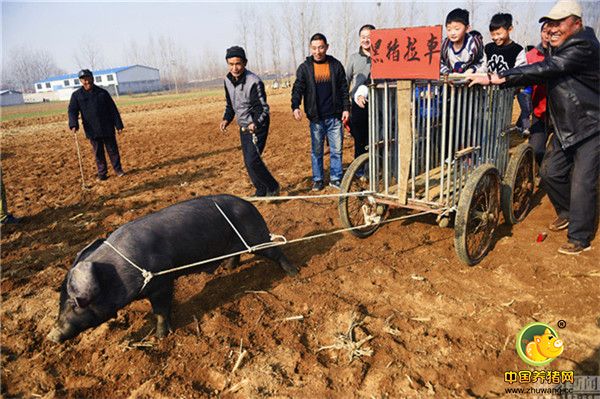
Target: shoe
{"x":560,"y":223}
{"x":10,"y":219}
{"x":121,"y":174}
{"x":572,"y":248}
{"x":102,"y":178}
{"x":526,"y":133}
{"x":335,"y":184}
{"x":318,"y":185}
{"x":274,"y":193}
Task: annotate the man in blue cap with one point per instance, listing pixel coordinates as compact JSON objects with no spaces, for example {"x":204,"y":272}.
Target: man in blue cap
{"x":100,"y":118}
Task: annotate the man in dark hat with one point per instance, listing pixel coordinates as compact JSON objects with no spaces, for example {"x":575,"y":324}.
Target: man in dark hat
{"x":572,"y":76}
{"x":100,"y":118}
{"x":247,"y":101}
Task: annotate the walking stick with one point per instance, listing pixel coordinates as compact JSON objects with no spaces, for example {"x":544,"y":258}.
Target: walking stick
{"x":83,"y":185}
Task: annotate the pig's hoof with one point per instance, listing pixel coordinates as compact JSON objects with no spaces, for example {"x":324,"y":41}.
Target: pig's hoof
{"x":290,"y":269}
{"x":232,"y":263}
{"x":162,"y":332}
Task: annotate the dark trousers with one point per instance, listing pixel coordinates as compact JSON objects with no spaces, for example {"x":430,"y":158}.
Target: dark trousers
{"x":524,"y":100}
{"x":538,"y":138}
{"x":252,"y":149}
{"x":570,"y":177}
{"x":98,"y":145}
{"x":359,"y":128}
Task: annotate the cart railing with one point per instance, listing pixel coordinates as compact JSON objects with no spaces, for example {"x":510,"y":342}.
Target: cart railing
{"x":426,"y":137}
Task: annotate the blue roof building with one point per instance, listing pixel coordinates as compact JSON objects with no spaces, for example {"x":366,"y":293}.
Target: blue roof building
{"x":120,"y":80}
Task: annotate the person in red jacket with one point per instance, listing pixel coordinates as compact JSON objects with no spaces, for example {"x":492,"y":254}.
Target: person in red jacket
{"x":539,"y":134}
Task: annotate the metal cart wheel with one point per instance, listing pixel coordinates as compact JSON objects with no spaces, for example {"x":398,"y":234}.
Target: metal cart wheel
{"x":358,"y":210}
{"x":518,"y":184}
{"x":477,"y":214}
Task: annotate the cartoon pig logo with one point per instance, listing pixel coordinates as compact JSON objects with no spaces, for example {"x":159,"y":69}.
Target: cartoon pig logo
{"x":544,"y":347}
{"x":538,"y":344}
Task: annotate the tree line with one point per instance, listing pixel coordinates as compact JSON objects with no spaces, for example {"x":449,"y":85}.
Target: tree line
{"x":276,"y":41}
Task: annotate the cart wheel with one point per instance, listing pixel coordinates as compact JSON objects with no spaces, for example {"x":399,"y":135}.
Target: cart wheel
{"x":357,"y":210}
{"x":518,"y":184}
{"x":477,"y":214}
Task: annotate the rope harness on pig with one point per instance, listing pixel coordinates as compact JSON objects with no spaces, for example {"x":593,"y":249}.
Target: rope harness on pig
{"x":276,"y":241}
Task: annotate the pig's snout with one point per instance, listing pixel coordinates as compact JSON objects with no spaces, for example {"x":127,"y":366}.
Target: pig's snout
{"x":60,"y":333}
{"x":55,"y":335}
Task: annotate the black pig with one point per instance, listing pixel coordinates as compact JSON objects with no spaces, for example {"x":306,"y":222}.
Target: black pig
{"x":101,"y":281}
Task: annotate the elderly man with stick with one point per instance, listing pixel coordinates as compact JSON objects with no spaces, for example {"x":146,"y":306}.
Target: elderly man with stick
{"x":100,"y":117}
{"x":572,"y":76}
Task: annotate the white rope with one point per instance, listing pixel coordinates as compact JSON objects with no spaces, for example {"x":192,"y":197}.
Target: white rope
{"x":293,"y":197}
{"x":145,"y":273}
{"x":282,"y":241}
{"x":233,"y":227}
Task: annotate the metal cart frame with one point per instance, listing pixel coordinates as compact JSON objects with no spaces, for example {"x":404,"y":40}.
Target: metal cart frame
{"x":443,"y":147}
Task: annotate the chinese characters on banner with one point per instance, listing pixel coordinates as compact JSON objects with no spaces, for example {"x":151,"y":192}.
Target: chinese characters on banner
{"x":406,"y":53}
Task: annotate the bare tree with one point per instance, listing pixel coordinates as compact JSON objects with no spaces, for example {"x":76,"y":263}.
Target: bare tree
{"x":25,"y":66}
{"x":211,"y":65}
{"x":88,"y":54}
{"x":591,"y":15}
{"x":274,"y":38}
{"x":345,"y":29}
{"x":245,"y":14}
{"x":289,"y":22}
{"x":414,"y":13}
{"x":525,"y":34}
{"x":132,"y":53}
{"x":472,"y":6}
{"x":257,"y":47}
{"x":381,"y":15}
{"x":399,"y":15}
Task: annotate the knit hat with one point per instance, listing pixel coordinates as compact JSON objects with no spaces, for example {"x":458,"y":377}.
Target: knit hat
{"x":563,"y":9}
{"x":458,"y":15}
{"x":85,"y":72}
{"x":235,"y":51}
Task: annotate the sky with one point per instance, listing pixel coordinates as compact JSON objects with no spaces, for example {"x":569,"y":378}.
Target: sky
{"x":60,"y":27}
{"x":196,"y":26}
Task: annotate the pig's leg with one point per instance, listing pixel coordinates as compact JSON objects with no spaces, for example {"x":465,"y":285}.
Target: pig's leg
{"x":161,"y":301}
{"x":275,"y":254}
{"x":232,"y":263}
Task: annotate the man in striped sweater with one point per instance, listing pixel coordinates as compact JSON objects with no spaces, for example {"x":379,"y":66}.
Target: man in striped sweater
{"x":321,"y":81}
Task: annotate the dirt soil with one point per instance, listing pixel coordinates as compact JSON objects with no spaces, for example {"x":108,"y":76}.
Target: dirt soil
{"x":439,"y":328}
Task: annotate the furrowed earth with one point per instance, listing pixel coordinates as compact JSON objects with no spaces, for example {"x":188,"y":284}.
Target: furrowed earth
{"x":423,"y":323}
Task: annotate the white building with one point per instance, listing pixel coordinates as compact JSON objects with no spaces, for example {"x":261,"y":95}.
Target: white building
{"x":121,"y":80}
{"x":10,"y":97}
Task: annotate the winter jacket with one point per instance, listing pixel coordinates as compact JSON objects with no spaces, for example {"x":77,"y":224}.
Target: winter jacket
{"x":358,"y":70}
{"x":305,"y":87}
{"x":572,"y":78}
{"x":471,"y":57}
{"x":246,"y":98}
{"x":99,"y":113}
{"x":538,"y":93}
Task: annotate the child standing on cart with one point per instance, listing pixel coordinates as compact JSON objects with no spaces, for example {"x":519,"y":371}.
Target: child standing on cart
{"x":462,"y":51}
{"x":503,"y":54}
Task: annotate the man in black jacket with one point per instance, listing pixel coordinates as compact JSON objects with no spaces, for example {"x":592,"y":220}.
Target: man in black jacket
{"x":100,"y":117}
{"x":572,"y":75}
{"x":321,"y":81}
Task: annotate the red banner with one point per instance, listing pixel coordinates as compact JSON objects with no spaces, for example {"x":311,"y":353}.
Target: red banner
{"x":406,"y":53}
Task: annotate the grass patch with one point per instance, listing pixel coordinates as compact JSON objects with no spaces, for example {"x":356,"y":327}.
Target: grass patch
{"x":52,"y":108}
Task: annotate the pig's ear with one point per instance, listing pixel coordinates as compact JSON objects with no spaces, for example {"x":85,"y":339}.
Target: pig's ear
{"x":82,"y":283}
{"x":88,"y":250}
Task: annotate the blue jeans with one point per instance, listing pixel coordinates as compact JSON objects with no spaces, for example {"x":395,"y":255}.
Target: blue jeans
{"x":332,"y":128}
